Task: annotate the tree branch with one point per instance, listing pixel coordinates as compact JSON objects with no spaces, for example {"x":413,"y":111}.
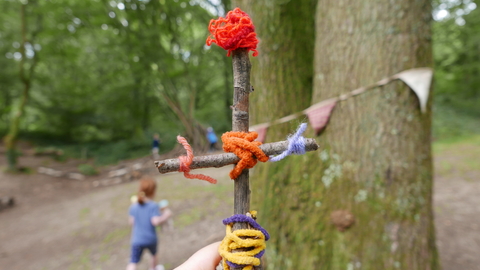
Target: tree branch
{"x":173,"y":165}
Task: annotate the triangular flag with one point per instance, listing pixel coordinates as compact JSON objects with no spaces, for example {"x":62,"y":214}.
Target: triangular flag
{"x":418,"y":79}
{"x":261,"y":130}
{"x":319,"y":114}
{"x":262,"y":134}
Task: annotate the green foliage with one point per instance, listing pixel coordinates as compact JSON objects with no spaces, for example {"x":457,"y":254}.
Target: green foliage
{"x":109,"y":74}
{"x":114,"y":71}
{"x":450,"y":124}
{"x":457,"y":56}
{"x":87,"y":169}
{"x":104,"y":153}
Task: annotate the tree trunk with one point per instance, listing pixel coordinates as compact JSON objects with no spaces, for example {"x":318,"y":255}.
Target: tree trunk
{"x":11,"y":137}
{"x":376,"y":159}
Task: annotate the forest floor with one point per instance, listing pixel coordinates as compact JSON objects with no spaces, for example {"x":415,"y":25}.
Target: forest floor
{"x":60,"y":223}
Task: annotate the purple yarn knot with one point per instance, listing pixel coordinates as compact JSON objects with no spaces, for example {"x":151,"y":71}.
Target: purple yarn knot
{"x":246,"y":219}
{"x":296,"y":144}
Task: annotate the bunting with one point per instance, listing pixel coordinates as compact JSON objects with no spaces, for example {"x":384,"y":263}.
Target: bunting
{"x":262,"y":132}
{"x":417,"y":79}
{"x":319,"y":115}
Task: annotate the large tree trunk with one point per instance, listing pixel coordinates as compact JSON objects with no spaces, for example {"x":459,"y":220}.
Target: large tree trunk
{"x":25,"y":75}
{"x":376,"y":157}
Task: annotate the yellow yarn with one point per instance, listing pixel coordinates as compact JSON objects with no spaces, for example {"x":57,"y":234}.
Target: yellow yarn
{"x":233,"y":240}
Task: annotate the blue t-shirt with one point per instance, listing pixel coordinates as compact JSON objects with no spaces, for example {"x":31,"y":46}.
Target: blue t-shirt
{"x":143,"y":232}
{"x":156,"y":143}
{"x":211,"y":137}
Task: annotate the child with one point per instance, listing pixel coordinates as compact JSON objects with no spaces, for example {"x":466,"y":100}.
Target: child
{"x":155,"y":146}
{"x":144,"y":215}
{"x":212,"y":139}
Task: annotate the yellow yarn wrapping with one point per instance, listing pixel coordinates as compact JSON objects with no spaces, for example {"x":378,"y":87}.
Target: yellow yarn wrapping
{"x":233,"y":241}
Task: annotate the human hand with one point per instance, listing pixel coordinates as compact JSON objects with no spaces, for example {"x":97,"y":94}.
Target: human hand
{"x":206,"y":258}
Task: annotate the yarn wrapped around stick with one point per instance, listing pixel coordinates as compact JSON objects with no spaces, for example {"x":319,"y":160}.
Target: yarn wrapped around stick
{"x":186,"y":161}
{"x":296,"y":144}
{"x":234,"y":31}
{"x":244,"y":146}
{"x":252,"y":240}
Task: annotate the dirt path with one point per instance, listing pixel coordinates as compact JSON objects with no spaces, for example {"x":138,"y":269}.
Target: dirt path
{"x":67,"y":224}
{"x":60,"y":223}
{"x":457,"y":204}
{"x":90,"y":231}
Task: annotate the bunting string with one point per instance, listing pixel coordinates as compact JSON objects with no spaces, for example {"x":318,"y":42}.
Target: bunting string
{"x":418,"y":79}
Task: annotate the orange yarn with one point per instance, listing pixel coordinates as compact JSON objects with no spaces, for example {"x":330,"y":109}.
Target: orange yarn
{"x":234,"y":31}
{"x":242,"y":144}
{"x":185,"y":162}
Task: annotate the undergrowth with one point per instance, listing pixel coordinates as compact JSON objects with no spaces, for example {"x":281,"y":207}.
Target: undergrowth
{"x":451,"y":125}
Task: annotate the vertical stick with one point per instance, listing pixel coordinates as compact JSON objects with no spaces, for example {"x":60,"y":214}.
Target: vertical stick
{"x":241,"y":90}
{"x":241,"y":84}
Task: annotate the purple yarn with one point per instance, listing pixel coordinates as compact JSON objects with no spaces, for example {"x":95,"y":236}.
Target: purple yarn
{"x":260,"y":254}
{"x":296,"y":144}
{"x":234,"y":265}
{"x":243,"y":218}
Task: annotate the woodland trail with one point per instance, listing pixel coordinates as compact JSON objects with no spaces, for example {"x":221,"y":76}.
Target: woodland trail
{"x":60,"y":223}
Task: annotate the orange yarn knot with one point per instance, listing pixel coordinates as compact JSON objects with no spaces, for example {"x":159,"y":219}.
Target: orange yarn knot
{"x":242,"y":144}
{"x":234,"y":31}
{"x":186,"y":161}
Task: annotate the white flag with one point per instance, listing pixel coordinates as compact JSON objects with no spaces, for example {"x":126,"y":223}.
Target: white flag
{"x":419,"y":80}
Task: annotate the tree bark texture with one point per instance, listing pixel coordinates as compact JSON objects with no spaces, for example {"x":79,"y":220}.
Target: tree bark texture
{"x":374,"y":159}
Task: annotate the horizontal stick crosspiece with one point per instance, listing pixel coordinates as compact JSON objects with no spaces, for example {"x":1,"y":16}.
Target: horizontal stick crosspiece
{"x":276,"y":148}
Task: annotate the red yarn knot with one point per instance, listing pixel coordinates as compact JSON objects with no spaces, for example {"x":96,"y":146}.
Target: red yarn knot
{"x":242,"y":144}
{"x":186,"y":161}
{"x":234,"y":31}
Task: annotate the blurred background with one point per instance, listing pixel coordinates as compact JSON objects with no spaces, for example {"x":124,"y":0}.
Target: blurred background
{"x":85,"y":85}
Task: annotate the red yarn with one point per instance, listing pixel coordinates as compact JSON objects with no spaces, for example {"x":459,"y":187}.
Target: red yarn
{"x":242,"y":144}
{"x":185,"y":162}
{"x":234,"y":31}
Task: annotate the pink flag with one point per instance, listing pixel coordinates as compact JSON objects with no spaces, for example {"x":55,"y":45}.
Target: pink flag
{"x":262,"y":133}
{"x":319,"y":115}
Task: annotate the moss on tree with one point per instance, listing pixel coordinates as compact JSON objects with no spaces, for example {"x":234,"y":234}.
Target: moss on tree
{"x":375,"y":157}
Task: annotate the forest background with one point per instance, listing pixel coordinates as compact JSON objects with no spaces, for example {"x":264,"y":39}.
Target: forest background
{"x":97,"y":79}
{"x":91,"y":81}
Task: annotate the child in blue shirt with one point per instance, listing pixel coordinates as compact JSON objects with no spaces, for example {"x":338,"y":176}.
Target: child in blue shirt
{"x":144,"y":215}
{"x":212,"y":139}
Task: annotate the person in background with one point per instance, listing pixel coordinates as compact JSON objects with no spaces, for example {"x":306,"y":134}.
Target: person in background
{"x":155,"y":146}
{"x":212,"y":139}
{"x":144,"y":216}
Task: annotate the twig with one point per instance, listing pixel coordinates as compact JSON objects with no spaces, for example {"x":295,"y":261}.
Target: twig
{"x":241,"y":85}
{"x":221,"y":160}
